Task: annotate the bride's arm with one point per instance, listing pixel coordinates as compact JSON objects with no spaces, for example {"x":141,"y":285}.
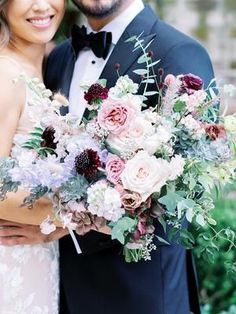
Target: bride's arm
{"x":10,"y":209}
{"x":12,"y":100}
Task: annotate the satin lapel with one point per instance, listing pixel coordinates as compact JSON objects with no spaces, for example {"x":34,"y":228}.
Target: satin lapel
{"x":122,"y":52}
{"x":124,"y":55}
{"x":67,"y":76}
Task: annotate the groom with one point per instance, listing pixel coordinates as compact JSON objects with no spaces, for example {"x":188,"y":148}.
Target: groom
{"x":98,"y":281}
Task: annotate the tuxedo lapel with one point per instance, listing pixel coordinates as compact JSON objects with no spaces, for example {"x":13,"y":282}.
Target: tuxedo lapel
{"x":67,"y":76}
{"x":123,"y":53}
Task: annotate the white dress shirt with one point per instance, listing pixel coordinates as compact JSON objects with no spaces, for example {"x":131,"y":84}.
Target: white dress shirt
{"x":88,"y":67}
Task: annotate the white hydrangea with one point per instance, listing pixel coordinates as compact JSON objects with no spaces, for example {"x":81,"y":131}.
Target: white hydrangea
{"x":104,"y":201}
{"x":124,"y":85}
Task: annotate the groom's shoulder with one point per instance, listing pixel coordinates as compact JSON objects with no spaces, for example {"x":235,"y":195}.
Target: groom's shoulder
{"x":168,"y":39}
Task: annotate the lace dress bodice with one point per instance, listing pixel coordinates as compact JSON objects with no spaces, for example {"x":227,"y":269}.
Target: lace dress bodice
{"x":29,"y":275}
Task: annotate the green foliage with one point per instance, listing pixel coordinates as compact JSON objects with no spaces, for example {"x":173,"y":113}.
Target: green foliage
{"x":35,"y":141}
{"x":123,"y":226}
{"x":35,"y":194}
{"x":6,"y":183}
{"x":217,"y":280}
{"x":74,"y":189}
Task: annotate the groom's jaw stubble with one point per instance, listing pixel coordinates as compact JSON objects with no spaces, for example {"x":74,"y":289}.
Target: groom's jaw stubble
{"x":101,"y":12}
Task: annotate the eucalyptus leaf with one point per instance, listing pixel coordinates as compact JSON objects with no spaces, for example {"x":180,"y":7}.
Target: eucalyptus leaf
{"x":151,"y":93}
{"x":150,"y":65}
{"x":170,"y":200}
{"x":148,"y":44}
{"x":124,"y":225}
{"x":140,"y":71}
{"x":144,"y":58}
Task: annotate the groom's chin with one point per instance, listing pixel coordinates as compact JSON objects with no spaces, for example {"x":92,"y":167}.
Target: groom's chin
{"x":98,"y":8}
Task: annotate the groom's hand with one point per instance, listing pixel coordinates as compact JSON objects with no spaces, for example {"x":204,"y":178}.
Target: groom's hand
{"x":12,"y":233}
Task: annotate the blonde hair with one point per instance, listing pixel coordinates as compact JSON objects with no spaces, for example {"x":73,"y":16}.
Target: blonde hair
{"x":4,"y":27}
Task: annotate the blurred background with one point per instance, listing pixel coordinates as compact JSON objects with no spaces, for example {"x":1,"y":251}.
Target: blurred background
{"x":212,"y":22}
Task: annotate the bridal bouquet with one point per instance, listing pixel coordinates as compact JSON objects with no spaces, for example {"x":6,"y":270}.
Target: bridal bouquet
{"x":125,"y":166}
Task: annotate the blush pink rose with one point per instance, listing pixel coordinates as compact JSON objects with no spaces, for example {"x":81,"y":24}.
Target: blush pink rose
{"x":116,"y":115}
{"x":131,"y":200}
{"x":114,"y":167}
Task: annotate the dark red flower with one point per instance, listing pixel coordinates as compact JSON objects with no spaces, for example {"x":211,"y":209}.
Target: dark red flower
{"x":96,"y":93}
{"x":161,"y":72}
{"x":191,"y":83}
{"x":214,"y":131}
{"x":117,"y":66}
{"x":87,"y":163}
{"x":150,"y":54}
{"x":48,"y":138}
{"x":144,"y":227}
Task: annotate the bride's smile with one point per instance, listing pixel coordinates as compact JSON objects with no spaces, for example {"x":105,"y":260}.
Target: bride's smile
{"x":34,"y":21}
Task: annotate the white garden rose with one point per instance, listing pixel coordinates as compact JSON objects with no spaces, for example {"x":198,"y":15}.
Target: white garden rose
{"x":145,"y":174}
{"x":134,"y":137}
{"x":154,"y":142}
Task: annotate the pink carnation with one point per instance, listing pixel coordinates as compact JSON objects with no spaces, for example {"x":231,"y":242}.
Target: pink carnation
{"x":169,"y":79}
{"x":116,"y":115}
{"x":114,"y":168}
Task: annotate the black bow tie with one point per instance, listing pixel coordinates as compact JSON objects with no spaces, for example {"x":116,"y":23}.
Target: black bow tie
{"x":99,"y":42}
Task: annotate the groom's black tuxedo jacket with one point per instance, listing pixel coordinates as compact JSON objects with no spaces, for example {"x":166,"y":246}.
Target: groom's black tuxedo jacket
{"x":99,"y":281}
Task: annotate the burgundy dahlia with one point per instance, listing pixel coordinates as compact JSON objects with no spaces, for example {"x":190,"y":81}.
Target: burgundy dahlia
{"x":87,"y":163}
{"x":48,"y":138}
{"x":96,"y":93}
{"x":191,"y":83}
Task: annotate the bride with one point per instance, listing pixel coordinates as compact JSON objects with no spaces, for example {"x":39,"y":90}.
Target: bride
{"x":28,"y":274}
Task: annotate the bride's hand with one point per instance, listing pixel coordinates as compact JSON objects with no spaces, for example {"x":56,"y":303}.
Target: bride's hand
{"x":12,"y":233}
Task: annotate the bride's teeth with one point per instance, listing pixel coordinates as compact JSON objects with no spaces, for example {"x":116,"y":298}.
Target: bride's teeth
{"x":40,"y":22}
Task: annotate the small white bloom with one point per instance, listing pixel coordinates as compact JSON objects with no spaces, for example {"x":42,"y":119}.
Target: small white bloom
{"x":194,"y":127}
{"x":66,"y":219}
{"x":177,"y":166}
{"x":152,"y":116}
{"x":124,"y":85}
{"x":189,"y":214}
{"x":200,"y":220}
{"x":153,"y":143}
{"x":47,"y":226}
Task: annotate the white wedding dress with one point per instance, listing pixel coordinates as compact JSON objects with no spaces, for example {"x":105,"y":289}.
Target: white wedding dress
{"x":29,"y":274}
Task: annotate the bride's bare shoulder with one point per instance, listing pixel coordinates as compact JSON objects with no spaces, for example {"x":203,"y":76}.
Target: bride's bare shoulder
{"x":10,"y":90}
{"x":9,"y":68}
